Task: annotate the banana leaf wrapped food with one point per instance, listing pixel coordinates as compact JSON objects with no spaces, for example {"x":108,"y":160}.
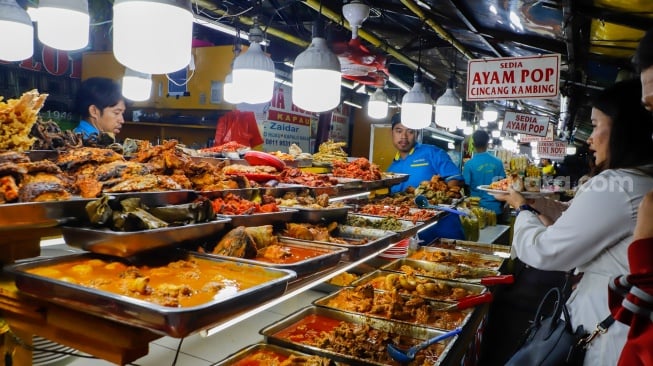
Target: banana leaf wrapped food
{"x":246,"y":242}
{"x":200,"y":210}
{"x":99,"y":212}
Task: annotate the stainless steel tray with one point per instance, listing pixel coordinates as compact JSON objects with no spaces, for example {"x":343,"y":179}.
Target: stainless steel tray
{"x":453,"y":257}
{"x":246,"y":193}
{"x":282,"y":188}
{"x":320,"y":215}
{"x":329,"y":256}
{"x":250,"y":350}
{"x":260,"y":219}
{"x":160,"y":198}
{"x":173,"y":321}
{"x":451,"y":318}
{"x":438,"y":270}
{"x":434,"y":214}
{"x":408,"y":228}
{"x":415,"y":332}
{"x":31,"y":215}
{"x":348,"y":183}
{"x":502,"y":251}
{"x":126,"y":244}
{"x":391,"y":179}
{"x":377,"y":278}
{"x":377,"y":240}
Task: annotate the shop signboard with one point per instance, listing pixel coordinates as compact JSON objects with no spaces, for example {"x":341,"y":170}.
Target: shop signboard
{"x":286,"y":124}
{"x":529,"y":124}
{"x":533,"y":77}
{"x":524,"y":138}
{"x":555,"y":150}
{"x":339,"y":129}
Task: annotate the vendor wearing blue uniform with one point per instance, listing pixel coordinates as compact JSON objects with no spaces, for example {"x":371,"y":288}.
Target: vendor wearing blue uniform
{"x":483,"y":169}
{"x":100,"y":105}
{"x":422,"y":162}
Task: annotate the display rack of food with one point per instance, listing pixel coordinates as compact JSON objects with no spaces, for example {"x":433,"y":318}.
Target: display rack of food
{"x":403,"y":228}
{"x":403,"y":212}
{"x":458,"y":272}
{"x":328,"y":152}
{"x":352,"y":338}
{"x":151,"y":292}
{"x":502,"y":251}
{"x":456,"y":257}
{"x":263,"y":354}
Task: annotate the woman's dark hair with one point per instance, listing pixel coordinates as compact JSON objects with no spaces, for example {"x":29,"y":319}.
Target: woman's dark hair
{"x":630,"y":142}
{"x":97,"y":91}
{"x":643,"y":58}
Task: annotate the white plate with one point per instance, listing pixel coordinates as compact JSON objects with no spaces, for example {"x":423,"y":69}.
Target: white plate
{"x":526,"y":194}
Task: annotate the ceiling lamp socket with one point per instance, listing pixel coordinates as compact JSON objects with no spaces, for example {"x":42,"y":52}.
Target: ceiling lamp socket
{"x":356,"y":13}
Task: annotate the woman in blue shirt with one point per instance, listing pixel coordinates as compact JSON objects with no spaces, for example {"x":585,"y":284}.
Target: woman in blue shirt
{"x":422,"y":162}
{"x":101,"y":106}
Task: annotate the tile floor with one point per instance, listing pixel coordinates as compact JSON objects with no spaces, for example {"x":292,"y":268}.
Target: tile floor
{"x":204,"y":351}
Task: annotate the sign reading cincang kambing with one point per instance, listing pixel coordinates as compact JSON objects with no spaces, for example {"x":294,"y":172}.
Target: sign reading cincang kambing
{"x":513,"y":78}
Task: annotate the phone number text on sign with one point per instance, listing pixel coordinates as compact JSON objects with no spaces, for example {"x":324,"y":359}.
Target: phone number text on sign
{"x":513,"y":78}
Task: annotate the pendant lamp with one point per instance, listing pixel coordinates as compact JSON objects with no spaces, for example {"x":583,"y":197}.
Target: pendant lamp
{"x":63,"y":24}
{"x":316,"y":75}
{"x":17,"y":32}
{"x":136,"y":86}
{"x":448,"y":108}
{"x":416,"y":106}
{"x":152,"y":36}
{"x":377,"y":107}
{"x":490,"y":113}
{"x":253,"y":71}
{"x":230,"y":92}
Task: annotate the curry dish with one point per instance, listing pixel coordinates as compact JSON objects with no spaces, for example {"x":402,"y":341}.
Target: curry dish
{"x":271,"y":358}
{"x":469,"y":259}
{"x":182,"y":283}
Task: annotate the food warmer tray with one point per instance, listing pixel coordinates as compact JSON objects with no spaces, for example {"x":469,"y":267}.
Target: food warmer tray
{"x":348,"y":183}
{"x":453,"y":257}
{"x":281,"y":188}
{"x":408,"y":228}
{"x":465,"y":314}
{"x":413,"y":331}
{"x":378,"y":239}
{"x":387,"y":180}
{"x":329,"y":257}
{"x":128,"y":243}
{"x":444,"y":271}
{"x":253,"y":349}
{"x":320,"y":215}
{"x":176,"y":322}
{"x":473,"y":289}
{"x":502,"y":251}
{"x":437,"y":215}
{"x":260,"y":219}
{"x":158,"y":198}
{"x":245,"y":193}
{"x":31,"y":215}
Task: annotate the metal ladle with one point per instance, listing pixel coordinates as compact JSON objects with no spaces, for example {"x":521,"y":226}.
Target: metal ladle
{"x":423,"y":202}
{"x":399,"y":355}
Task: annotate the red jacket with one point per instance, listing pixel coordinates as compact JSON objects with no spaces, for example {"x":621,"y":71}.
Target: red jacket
{"x":240,"y":127}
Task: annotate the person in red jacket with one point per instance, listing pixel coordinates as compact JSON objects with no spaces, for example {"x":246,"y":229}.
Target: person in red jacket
{"x":240,"y":127}
{"x":631,"y":296}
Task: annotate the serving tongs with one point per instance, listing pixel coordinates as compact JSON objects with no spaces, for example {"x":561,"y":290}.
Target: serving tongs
{"x":468,"y":302}
{"x":405,"y":357}
{"x":423,"y":202}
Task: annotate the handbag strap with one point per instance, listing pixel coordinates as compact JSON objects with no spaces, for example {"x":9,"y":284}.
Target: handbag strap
{"x":601,"y":328}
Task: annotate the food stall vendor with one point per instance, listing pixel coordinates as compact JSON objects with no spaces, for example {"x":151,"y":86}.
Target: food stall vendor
{"x":101,"y":106}
{"x":421,"y":162}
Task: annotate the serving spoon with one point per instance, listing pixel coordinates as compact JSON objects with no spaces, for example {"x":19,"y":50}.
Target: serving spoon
{"x":399,"y":355}
{"x":423,"y":202}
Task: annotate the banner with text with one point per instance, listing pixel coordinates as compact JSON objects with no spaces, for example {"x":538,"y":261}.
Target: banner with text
{"x":513,"y":78}
{"x":339,"y":129}
{"x":555,"y":150}
{"x":523,"y":138}
{"x":286,"y":124}
{"x":525,"y":123}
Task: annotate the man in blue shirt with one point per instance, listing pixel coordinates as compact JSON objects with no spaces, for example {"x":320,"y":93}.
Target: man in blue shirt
{"x":422,"y":162}
{"x":483,"y":169}
{"x":100,"y":105}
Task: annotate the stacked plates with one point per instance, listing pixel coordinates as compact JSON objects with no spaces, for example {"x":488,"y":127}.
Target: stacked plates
{"x":41,"y":356}
{"x":399,"y":250}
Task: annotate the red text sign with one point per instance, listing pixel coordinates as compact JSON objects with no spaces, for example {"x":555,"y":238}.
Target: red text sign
{"x":525,"y":123}
{"x":552,"y":149}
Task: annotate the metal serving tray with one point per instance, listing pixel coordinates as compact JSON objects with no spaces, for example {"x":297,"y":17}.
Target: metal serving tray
{"x":245,"y":193}
{"x":260,"y":219}
{"x":440,"y":270}
{"x":30,"y":215}
{"x":173,"y":321}
{"x":436,"y":214}
{"x":473,"y":289}
{"x":464,"y":315}
{"x":129,"y":243}
{"x":348,"y":183}
{"x":378,"y":239}
{"x":391,"y":179}
{"x":329,"y":257}
{"x":453,"y":257}
{"x":159,"y":198}
{"x":413,"y":331}
{"x":408,"y":228}
{"x":253,"y":349}
{"x":502,"y":251}
{"x":320,"y":215}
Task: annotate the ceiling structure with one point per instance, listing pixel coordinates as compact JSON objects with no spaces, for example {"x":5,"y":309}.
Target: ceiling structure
{"x":596,"y":39}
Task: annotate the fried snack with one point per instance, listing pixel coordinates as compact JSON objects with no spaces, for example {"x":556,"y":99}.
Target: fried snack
{"x":17,"y":116}
{"x":330,"y":151}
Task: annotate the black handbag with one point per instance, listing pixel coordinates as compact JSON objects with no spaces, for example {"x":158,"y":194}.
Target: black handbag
{"x":550,"y":341}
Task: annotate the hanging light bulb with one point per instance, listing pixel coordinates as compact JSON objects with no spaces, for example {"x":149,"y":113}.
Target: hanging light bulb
{"x":356,"y":13}
{"x":317,"y":65}
{"x":63,"y":24}
{"x":17,"y":32}
{"x":482,"y":123}
{"x":136,"y":86}
{"x":490,"y":113}
{"x":448,"y":109}
{"x":496,"y":133}
{"x":153,"y":36}
{"x":571,"y":149}
{"x":230,"y":92}
{"x":377,"y":107}
{"x":253,"y":71}
{"x":468,"y":130}
{"x":416,"y":106}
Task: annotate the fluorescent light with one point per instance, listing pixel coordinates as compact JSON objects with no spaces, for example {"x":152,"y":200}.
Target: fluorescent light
{"x":351,"y":104}
{"x":316,"y":65}
{"x":377,"y":107}
{"x":17,"y":32}
{"x":448,"y":109}
{"x":63,"y":24}
{"x":136,"y":86}
{"x":416,"y":107}
{"x":230,"y":92}
{"x":253,"y":75}
{"x":398,"y":82}
{"x":224,"y":28}
{"x":490,"y":113}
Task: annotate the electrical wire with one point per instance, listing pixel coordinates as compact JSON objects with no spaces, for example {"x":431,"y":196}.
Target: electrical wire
{"x":174,"y":362}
